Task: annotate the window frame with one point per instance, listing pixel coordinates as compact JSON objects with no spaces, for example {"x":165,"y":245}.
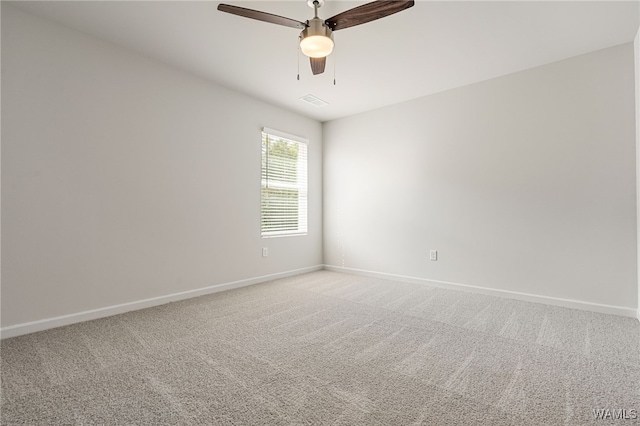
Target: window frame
{"x":302,"y":186}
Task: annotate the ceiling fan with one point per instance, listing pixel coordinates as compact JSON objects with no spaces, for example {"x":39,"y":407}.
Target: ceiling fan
{"x":316,"y":38}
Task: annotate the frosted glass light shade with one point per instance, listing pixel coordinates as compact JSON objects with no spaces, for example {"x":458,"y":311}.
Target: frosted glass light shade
{"x":316,"y":46}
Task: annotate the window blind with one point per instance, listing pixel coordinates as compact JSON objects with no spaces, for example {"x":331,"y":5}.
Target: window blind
{"x":284,"y":184}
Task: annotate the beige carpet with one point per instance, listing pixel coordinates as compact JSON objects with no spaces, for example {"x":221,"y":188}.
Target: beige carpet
{"x":329,"y":349}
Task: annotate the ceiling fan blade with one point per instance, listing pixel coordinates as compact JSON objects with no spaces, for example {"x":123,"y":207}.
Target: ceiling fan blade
{"x":261,"y":16}
{"x":317,"y":65}
{"x":367,"y":13}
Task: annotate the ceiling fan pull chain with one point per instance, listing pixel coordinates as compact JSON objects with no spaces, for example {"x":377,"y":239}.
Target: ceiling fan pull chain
{"x":335,"y":57}
{"x":298,"y":58}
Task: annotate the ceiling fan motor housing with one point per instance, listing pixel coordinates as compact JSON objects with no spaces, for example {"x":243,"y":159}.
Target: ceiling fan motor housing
{"x":316,"y":41}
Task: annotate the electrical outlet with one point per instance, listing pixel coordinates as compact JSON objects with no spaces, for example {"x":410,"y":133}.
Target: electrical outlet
{"x":433,"y":255}
{"x":265,"y":251}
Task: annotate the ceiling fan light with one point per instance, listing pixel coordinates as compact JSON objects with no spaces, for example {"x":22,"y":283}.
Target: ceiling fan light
{"x":316,"y":46}
{"x":316,"y":40}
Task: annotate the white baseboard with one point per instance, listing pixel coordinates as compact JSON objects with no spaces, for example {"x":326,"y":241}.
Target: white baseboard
{"x":45,"y":324}
{"x":527,"y":297}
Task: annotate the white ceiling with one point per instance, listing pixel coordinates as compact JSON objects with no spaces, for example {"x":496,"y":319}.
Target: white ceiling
{"x":432,"y":47}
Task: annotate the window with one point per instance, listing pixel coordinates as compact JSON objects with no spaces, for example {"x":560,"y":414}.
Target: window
{"x":284,"y":184}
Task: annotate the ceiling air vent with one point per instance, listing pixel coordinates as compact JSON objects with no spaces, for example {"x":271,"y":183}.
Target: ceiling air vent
{"x":310,"y":99}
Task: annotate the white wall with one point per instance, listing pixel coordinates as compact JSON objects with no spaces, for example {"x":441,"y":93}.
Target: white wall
{"x":524,"y":183}
{"x":636,"y":46}
{"x":124,"y":179}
